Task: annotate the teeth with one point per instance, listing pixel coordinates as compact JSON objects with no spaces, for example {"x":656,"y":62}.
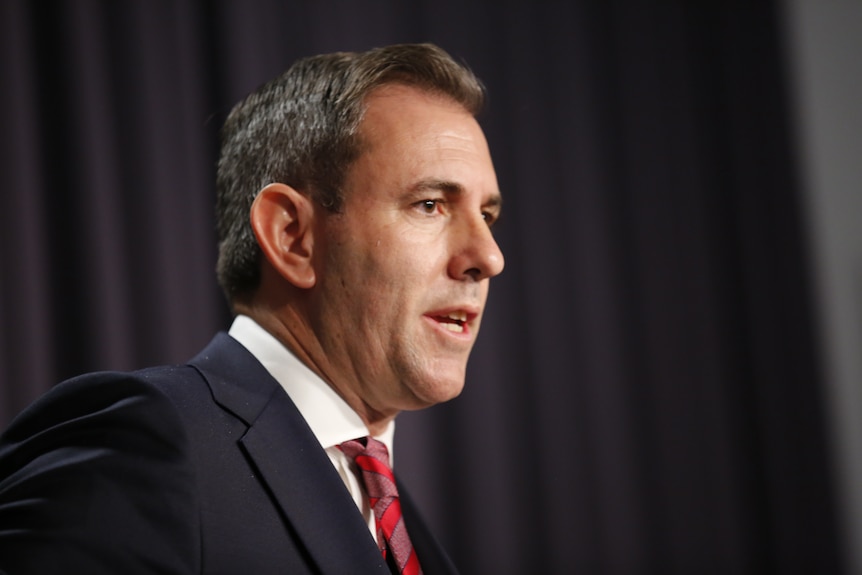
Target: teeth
{"x":459,"y":319}
{"x":458,"y":316}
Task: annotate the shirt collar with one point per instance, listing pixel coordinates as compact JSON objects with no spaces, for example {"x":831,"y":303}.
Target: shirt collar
{"x":330,"y":418}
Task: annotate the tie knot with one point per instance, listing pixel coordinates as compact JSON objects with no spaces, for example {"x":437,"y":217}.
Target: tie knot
{"x":372,"y":459}
{"x":366,"y":447}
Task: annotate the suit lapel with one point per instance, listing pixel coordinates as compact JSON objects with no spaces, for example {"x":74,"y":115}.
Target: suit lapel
{"x":290,"y":461}
{"x":309,"y":492}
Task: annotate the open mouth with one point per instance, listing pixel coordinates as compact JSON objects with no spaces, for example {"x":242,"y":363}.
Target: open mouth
{"x":455,"y":321}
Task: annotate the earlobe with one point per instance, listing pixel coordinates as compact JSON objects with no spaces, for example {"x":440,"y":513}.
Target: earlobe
{"x":281,"y":218}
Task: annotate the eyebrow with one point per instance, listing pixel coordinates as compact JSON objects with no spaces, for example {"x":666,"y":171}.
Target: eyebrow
{"x":454,"y":189}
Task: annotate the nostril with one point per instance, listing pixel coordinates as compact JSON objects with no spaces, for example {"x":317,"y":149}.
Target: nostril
{"x":474,"y":273}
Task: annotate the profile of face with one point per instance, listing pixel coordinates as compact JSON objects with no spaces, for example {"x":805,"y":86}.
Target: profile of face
{"x":403,"y":269}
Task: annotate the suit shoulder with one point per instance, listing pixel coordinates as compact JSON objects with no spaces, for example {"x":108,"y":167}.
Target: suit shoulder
{"x":106,"y":397}
{"x":97,"y":469}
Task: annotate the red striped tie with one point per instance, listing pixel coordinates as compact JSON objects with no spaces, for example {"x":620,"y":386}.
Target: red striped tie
{"x":373,"y":461}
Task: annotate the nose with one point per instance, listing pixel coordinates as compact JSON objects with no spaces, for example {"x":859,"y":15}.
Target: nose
{"x":476,"y":255}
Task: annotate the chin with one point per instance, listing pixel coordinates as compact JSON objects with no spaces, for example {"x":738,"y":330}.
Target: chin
{"x":436,"y":391}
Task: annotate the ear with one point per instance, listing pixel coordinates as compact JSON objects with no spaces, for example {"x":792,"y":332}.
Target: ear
{"x":282,"y":218}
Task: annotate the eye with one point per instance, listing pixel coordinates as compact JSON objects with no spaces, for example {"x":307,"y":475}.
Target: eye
{"x":490,"y":218}
{"x":428,"y":206}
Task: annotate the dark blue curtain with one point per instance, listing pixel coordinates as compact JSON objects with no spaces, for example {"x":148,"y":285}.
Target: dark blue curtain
{"x":645,"y":397}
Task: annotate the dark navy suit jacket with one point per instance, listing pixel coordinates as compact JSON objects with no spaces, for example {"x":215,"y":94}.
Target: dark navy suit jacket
{"x":202,"y":468}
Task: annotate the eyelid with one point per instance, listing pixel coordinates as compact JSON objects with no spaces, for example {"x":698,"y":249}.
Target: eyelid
{"x":422,"y":204}
{"x":491,"y":214}
{"x":491,"y":218}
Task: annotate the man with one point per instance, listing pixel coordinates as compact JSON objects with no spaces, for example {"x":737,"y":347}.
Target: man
{"x":355,"y":199}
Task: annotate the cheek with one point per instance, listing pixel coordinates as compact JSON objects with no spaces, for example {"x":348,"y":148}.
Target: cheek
{"x":369,"y":284}
{"x":390,"y":269}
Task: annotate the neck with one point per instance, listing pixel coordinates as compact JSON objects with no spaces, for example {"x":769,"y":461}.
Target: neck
{"x":289,"y":328}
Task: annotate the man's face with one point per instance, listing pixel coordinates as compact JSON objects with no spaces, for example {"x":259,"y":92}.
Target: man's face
{"x":405,"y":266}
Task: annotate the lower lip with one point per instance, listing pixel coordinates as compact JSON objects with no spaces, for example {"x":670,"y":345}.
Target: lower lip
{"x":461,"y":335}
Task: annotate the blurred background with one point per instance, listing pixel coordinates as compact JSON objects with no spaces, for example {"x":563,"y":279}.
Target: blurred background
{"x":668,"y":379}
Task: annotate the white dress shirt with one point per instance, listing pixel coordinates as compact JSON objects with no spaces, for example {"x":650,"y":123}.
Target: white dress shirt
{"x":330,"y":418}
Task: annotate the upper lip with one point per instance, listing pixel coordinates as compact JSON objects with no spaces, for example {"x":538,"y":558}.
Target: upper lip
{"x":465,"y":314}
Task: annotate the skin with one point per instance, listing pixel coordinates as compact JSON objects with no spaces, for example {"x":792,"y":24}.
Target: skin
{"x":372,"y":298}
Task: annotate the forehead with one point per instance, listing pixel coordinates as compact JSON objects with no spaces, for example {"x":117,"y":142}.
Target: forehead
{"x":408,"y":129}
{"x":390,"y":105}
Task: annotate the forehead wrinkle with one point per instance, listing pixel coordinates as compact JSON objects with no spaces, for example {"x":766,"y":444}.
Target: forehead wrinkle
{"x":439,"y":185}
